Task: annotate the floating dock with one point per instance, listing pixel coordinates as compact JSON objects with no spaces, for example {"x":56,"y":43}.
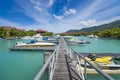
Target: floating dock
{"x":33,"y":48}
{"x":93,"y":71}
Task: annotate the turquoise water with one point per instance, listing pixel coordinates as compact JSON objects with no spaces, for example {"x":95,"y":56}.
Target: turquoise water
{"x":24,"y":65}
{"x":98,"y":45}
{"x":18,"y":65}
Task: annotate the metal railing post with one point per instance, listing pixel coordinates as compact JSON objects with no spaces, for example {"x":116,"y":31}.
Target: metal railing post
{"x":85,"y":69}
{"x":81,"y":72}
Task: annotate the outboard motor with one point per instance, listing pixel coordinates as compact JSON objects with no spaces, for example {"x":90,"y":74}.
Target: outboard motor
{"x":92,"y":57}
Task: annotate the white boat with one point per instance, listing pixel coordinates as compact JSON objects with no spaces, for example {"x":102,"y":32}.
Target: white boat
{"x":38,"y":37}
{"x":93,"y":71}
{"x":27,"y":38}
{"x":68,"y":37}
{"x":34,"y":44}
{"x":92,"y":36}
{"x":76,"y":41}
{"x":1,"y":39}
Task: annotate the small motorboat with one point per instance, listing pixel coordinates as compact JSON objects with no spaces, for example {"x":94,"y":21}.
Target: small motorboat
{"x":34,"y":44}
{"x":76,"y":41}
{"x":92,"y":36}
{"x":104,"y":62}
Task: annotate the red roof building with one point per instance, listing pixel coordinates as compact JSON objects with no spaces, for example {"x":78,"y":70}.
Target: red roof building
{"x":41,"y":31}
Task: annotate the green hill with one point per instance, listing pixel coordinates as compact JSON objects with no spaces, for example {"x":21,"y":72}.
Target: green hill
{"x":110,"y":25}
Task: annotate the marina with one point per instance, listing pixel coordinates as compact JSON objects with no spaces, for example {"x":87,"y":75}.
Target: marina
{"x":63,"y":54}
{"x":59,"y":40}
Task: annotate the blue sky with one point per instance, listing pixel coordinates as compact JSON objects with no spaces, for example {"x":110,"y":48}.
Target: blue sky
{"x":58,"y":15}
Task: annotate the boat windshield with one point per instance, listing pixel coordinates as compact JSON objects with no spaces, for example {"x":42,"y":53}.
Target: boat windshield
{"x":32,"y":41}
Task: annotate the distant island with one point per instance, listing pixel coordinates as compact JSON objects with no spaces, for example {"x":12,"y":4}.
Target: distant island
{"x":109,"y":30}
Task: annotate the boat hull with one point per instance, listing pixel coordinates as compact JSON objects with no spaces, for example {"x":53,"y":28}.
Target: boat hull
{"x":38,"y":44}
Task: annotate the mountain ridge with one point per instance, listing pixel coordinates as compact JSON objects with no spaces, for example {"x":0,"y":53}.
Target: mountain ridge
{"x":110,"y":25}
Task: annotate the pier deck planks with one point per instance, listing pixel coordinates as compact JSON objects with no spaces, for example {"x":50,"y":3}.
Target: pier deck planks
{"x":61,"y":70}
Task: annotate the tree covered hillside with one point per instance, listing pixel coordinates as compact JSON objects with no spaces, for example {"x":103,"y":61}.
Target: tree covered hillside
{"x":111,"y":25}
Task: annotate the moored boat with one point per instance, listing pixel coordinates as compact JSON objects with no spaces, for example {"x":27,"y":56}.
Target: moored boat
{"x":76,"y":41}
{"x":34,"y":44}
{"x":104,"y":62}
{"x":92,"y":36}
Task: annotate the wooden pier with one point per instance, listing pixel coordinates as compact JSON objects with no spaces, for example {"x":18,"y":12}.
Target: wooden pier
{"x":61,"y":65}
{"x":64,"y":68}
{"x":61,"y":69}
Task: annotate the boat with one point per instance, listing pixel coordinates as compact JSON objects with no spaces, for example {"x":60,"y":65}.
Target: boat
{"x":38,"y":37}
{"x":117,"y":58}
{"x":93,"y":71}
{"x":92,"y":36}
{"x":34,"y":44}
{"x":27,"y":38}
{"x":76,"y":41}
{"x":1,"y":38}
{"x":103,"y":62}
{"x":67,"y":37}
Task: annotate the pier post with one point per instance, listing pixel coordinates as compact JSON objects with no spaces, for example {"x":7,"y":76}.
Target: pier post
{"x":46,"y":56}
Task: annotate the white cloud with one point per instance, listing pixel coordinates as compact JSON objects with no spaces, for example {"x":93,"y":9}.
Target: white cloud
{"x":89,"y":10}
{"x":87,"y":23}
{"x":72,"y":11}
{"x":69,"y":11}
{"x":35,"y":2}
{"x":38,"y":8}
{"x":85,"y":17}
{"x":37,"y":11}
{"x":107,"y":13}
{"x":51,"y":2}
{"x":4,"y":22}
{"x":60,"y":18}
{"x":37,"y":5}
{"x":108,"y":20}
